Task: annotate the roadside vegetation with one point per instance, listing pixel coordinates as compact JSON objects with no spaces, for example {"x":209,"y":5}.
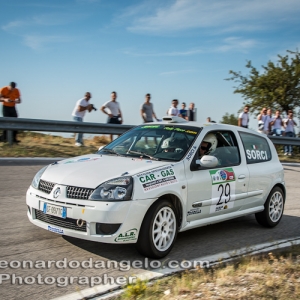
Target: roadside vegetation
{"x":269,"y":276}
{"x":35,"y":144}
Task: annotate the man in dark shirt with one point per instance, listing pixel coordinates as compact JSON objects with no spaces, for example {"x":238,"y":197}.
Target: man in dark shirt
{"x":191,"y":112}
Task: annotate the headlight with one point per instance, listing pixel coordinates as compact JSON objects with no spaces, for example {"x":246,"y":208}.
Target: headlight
{"x":36,"y":180}
{"x":115,"y":189}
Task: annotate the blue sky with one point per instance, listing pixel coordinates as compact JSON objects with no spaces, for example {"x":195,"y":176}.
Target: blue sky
{"x":58,"y":50}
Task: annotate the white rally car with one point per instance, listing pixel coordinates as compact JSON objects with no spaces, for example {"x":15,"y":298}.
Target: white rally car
{"x":159,"y":179}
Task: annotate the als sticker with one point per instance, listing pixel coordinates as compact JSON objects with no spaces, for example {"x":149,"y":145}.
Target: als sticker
{"x":129,"y":235}
{"x":194,"y":211}
{"x":157,"y":178}
{"x":55,"y":229}
{"x":223,"y":189}
{"x":84,"y":159}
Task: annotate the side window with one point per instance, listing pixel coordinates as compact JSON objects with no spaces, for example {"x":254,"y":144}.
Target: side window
{"x":256,"y":148}
{"x":223,"y":145}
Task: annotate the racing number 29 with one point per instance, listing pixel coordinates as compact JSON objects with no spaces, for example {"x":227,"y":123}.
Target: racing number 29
{"x":226,"y":191}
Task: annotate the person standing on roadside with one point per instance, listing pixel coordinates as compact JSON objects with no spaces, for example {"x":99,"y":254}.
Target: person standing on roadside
{"x":277,"y":124}
{"x":191,"y":112}
{"x":173,"y":110}
{"x":10,"y":96}
{"x":147,"y":111}
{"x":264,"y":119}
{"x":114,"y":112}
{"x":82,"y":105}
{"x":289,"y":124}
{"x":244,"y":118}
{"x":183,"y":113}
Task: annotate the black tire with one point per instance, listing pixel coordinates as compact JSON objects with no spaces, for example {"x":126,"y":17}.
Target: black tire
{"x":162,"y":217}
{"x":273,"y":211}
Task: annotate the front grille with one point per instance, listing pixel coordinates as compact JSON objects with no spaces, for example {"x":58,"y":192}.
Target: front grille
{"x":75,"y":192}
{"x":46,"y":186}
{"x":56,"y":221}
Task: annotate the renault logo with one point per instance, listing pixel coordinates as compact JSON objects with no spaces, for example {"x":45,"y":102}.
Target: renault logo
{"x":56,"y":193}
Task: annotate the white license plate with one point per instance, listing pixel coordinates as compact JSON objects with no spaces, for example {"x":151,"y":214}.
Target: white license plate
{"x":54,"y":210}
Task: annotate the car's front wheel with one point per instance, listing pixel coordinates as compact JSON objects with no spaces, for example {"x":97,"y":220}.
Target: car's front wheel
{"x":158,"y":231}
{"x":273,"y":211}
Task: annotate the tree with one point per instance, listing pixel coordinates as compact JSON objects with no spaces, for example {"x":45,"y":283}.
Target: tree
{"x":277,"y":87}
{"x":229,"y":119}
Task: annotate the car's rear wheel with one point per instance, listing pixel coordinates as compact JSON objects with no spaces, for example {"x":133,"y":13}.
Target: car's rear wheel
{"x":273,"y":211}
{"x":158,"y":231}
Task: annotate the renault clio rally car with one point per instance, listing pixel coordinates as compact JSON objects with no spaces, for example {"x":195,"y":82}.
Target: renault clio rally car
{"x":159,"y":179}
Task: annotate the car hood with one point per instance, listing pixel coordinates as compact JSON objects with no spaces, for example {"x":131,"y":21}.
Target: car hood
{"x":89,"y":171}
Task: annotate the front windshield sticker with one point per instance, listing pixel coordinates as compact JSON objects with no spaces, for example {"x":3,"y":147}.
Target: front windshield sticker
{"x":169,"y":128}
{"x":223,"y":189}
{"x":84,"y":159}
{"x":157,"y":178}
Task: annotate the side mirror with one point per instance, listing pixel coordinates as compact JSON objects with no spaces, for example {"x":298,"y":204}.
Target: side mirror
{"x":207,"y":161}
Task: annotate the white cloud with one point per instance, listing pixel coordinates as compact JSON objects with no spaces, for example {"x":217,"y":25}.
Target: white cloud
{"x":12,"y":25}
{"x":197,"y":14}
{"x":37,"y":42}
{"x":171,"y":73}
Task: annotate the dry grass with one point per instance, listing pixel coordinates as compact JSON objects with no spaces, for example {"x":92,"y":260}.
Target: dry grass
{"x":272,"y":276}
{"x":45,"y":145}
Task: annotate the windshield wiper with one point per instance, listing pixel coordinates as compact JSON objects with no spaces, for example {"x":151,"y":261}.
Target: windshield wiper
{"x":143,"y":154}
{"x":111,"y":151}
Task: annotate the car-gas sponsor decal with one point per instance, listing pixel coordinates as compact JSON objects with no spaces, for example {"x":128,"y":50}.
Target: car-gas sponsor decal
{"x":157,"y":178}
{"x":256,"y":154}
{"x":129,"y":235}
{"x":55,"y":229}
{"x":194,"y":211}
{"x":223,"y":189}
{"x":191,"y":153}
{"x":84,"y":159}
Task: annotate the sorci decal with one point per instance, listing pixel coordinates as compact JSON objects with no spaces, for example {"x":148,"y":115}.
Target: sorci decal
{"x":129,"y":235}
{"x":223,"y":189}
{"x":257,"y":154}
{"x":157,"y":178}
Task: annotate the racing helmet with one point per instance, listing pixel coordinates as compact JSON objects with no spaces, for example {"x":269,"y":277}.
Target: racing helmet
{"x":169,"y":143}
{"x":261,"y":125}
{"x":212,"y":141}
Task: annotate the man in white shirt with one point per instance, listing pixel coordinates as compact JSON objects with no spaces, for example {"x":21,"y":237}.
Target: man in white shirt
{"x":289,"y":124}
{"x":114,"y":112}
{"x":277,"y":124}
{"x":173,"y":110}
{"x":244,"y":117}
{"x":264,"y":119}
{"x":78,"y":113}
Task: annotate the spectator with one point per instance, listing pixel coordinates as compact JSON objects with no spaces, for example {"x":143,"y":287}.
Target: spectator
{"x":114,"y":112}
{"x":173,"y":110}
{"x":183,"y":112}
{"x":82,"y":105}
{"x":10,"y":96}
{"x":147,"y":111}
{"x":264,"y":119}
{"x":269,"y":114}
{"x":289,"y":124}
{"x":208,"y":120}
{"x":191,"y":112}
{"x":277,"y":124}
{"x":244,"y":118}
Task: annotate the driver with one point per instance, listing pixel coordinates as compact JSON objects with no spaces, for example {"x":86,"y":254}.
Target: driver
{"x":208,"y":144}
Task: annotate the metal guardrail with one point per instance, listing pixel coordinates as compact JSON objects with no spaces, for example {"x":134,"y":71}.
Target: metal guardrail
{"x":11,"y":124}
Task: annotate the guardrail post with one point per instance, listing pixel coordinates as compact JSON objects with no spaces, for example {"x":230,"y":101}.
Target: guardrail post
{"x":9,"y":136}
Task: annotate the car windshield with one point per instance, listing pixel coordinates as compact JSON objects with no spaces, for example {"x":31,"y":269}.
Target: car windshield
{"x":155,"y":142}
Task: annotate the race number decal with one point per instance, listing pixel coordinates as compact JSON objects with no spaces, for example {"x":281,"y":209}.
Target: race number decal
{"x":223,"y":189}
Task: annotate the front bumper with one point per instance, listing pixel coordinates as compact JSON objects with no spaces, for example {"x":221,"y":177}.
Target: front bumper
{"x":129,"y":214}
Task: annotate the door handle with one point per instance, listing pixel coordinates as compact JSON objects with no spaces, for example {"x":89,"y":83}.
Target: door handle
{"x":242,"y":177}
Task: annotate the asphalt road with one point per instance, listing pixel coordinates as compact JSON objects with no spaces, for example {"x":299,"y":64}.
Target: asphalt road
{"x":21,"y":241}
